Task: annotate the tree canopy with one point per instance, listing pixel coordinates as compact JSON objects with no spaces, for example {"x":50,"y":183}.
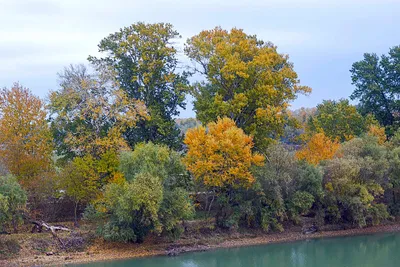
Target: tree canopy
{"x":26,"y":141}
{"x":221,"y":156}
{"x":89,"y":113}
{"x":338,"y":120}
{"x":246,"y":80}
{"x":377,"y":87}
{"x":144,"y":61}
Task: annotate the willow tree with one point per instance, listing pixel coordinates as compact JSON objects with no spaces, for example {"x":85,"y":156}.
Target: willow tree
{"x":246,"y":80}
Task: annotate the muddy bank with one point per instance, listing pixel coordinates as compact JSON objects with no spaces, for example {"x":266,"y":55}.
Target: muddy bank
{"x":105,"y":251}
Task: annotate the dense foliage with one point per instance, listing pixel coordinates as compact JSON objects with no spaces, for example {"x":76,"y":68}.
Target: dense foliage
{"x":12,"y":202}
{"x":153,"y":198}
{"x":144,"y":61}
{"x":377,"y":87}
{"x":108,"y":140}
{"x":25,"y":137}
{"x":338,"y":120}
{"x":247,"y":80}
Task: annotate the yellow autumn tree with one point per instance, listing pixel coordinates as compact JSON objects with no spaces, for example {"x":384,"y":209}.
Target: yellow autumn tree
{"x":319,"y":147}
{"x":221,"y":155}
{"x":246,"y":79}
{"x":25,"y":139}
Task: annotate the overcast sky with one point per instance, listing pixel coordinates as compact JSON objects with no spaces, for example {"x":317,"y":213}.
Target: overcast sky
{"x":322,"y":37}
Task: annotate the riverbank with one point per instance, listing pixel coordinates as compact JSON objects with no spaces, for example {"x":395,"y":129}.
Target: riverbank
{"x":105,"y":251}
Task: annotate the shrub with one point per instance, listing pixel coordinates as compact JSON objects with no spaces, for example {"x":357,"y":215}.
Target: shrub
{"x":12,"y":202}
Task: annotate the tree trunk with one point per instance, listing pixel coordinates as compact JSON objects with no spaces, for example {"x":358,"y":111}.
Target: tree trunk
{"x":76,"y":224}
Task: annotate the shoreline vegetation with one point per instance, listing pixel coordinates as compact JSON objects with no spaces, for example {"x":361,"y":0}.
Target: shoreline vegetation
{"x":101,"y":250}
{"x":104,"y":154}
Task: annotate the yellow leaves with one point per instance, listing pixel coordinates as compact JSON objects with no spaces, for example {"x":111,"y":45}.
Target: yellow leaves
{"x":378,"y":132}
{"x":318,"y":148}
{"x":221,"y":156}
{"x":26,"y":141}
{"x":244,"y":75}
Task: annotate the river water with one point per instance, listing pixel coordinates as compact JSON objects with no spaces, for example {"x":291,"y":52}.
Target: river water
{"x":378,"y":250}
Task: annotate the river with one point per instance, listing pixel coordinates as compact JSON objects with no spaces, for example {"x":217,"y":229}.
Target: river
{"x":378,"y":250}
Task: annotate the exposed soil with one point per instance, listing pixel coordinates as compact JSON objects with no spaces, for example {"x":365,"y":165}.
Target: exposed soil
{"x":42,"y":250}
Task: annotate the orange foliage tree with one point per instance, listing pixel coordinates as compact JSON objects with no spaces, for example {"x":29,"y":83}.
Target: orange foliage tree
{"x":319,"y":147}
{"x":221,"y":155}
{"x":25,"y":139}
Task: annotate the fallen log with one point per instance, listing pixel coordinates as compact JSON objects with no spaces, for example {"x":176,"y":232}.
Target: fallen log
{"x":39,"y":225}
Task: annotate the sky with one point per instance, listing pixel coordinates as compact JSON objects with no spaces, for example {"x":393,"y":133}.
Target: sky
{"x":322,"y":37}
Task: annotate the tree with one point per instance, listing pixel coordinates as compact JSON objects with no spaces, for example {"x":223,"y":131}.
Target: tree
{"x":176,"y":207}
{"x":145,"y":63}
{"x":81,"y":181}
{"x":90,"y":113}
{"x":247,"y":80}
{"x":318,"y":148}
{"x":12,"y":202}
{"x":286,"y":188}
{"x":220,"y":156}
{"x":338,"y":120}
{"x":157,"y":160}
{"x":355,"y":182}
{"x":377,"y":87}
{"x":132,"y":208}
{"x":25,"y":139}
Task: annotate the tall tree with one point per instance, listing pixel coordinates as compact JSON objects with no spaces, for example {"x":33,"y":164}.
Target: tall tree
{"x":338,"y":120}
{"x":247,"y":80}
{"x":145,"y":63}
{"x":378,"y":88}
{"x":89,"y":113}
{"x":25,"y":139}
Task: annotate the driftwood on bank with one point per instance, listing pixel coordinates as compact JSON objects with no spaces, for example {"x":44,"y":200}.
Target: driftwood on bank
{"x":39,"y":225}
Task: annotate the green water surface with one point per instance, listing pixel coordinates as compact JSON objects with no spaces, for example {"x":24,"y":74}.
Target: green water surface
{"x":379,"y":250}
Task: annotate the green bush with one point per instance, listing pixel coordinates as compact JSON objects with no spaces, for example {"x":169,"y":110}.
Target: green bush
{"x":12,"y":202}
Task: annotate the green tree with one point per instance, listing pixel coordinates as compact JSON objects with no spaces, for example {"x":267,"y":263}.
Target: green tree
{"x":377,"y":87}
{"x":153,"y":198}
{"x":132,"y":208}
{"x":12,"y":202}
{"x":247,"y":80}
{"x":288,"y":188}
{"x":355,"y":182}
{"x":145,"y":63}
{"x":157,"y":160}
{"x":135,"y":208}
{"x":176,"y":207}
{"x":338,"y":120}
{"x":80,"y":180}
